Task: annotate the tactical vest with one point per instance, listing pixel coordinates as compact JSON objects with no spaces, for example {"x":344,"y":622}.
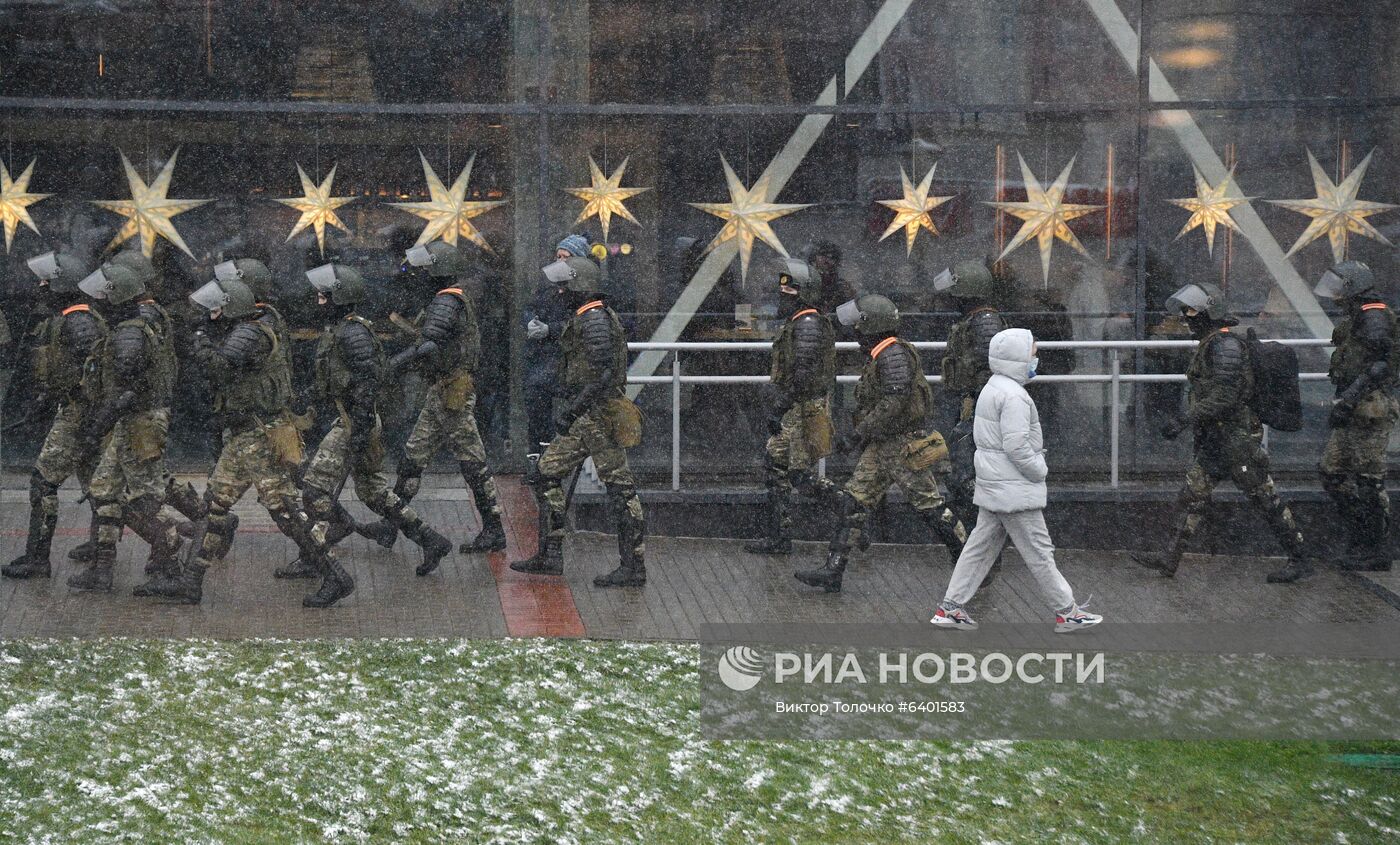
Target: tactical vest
{"x":281,"y":358}
{"x":147,"y":389}
{"x":965,"y":367}
{"x":165,"y":364}
{"x":1352,"y":358}
{"x":578,"y":371}
{"x":257,"y":389}
{"x":56,"y":369}
{"x":467,"y":349}
{"x":783,"y":355}
{"x":333,"y":376}
{"x":869,"y":391}
{"x":1199,"y":371}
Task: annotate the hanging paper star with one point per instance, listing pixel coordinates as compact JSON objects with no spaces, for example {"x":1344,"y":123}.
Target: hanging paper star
{"x":15,"y":199}
{"x":317,"y":207}
{"x":448,"y":212}
{"x":912,"y":212}
{"x":1210,"y":207}
{"x":746,"y":216}
{"x":1336,"y":211}
{"x":148,"y":212}
{"x":605,"y":196}
{"x":1046,"y":215}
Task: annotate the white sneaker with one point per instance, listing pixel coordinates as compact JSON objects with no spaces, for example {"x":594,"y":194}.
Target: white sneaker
{"x":949,"y":615}
{"x":1076,"y":619}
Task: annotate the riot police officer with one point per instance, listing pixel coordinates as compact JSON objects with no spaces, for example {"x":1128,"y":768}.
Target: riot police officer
{"x":803,"y":374}
{"x":60,"y":345}
{"x":597,"y":420}
{"x":1365,"y":365}
{"x":965,"y":369}
{"x":893,"y":400}
{"x":446,"y":352}
{"x":130,"y":418}
{"x":349,"y":369}
{"x":1228,"y":436}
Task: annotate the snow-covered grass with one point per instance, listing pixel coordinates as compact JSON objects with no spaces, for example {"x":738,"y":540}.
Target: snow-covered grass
{"x":573,"y":741}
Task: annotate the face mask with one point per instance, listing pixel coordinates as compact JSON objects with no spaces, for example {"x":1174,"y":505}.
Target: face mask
{"x":1035,"y":362}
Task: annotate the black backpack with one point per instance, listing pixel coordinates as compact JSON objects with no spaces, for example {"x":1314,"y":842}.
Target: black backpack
{"x":1276,"y":398}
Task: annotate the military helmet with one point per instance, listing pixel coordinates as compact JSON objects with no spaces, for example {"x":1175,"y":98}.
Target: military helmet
{"x":136,"y":261}
{"x":443,"y":260}
{"x":1203,"y":297}
{"x":250,"y":272}
{"x":235,"y":298}
{"x":61,"y":270}
{"x":579,"y":275}
{"x":796,"y":274}
{"x":965,"y":280}
{"x":343,"y":285}
{"x":1345,"y":280}
{"x":870,"y":314}
{"x":113,"y":283}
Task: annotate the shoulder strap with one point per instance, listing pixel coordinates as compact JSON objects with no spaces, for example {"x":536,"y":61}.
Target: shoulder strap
{"x":73,"y":309}
{"x":882,"y":346}
{"x":457,"y":292}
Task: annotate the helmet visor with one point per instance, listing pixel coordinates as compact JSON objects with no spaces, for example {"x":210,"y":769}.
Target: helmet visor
{"x":1190,"y":297}
{"x":227,"y":272}
{"x":1330,"y":286}
{"x":419,"y":256}
{"x":559,"y":272}
{"x":96,"y":285}
{"x":44,"y":266}
{"x":848,"y":313}
{"x":945,"y":280}
{"x":323,"y":278}
{"x":210,"y":296}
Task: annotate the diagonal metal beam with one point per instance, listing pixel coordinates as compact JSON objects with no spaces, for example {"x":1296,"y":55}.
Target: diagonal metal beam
{"x":778,"y":172}
{"x":1202,"y":154}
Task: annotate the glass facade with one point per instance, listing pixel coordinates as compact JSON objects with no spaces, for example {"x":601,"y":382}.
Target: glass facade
{"x":828,"y":102}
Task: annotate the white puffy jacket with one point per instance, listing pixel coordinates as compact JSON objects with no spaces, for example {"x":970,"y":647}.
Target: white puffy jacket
{"x":1010,"y":457}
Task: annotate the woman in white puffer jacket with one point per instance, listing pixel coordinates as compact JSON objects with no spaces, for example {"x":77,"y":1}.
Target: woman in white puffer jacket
{"x":1010,"y":491}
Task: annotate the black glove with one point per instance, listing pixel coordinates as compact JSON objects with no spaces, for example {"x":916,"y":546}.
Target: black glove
{"x":1341,"y":414}
{"x":775,"y":423}
{"x":1173,"y":427}
{"x":849,"y":442}
{"x":564,"y":418}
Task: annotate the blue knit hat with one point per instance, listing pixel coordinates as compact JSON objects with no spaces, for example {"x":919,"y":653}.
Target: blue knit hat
{"x":576,"y":245}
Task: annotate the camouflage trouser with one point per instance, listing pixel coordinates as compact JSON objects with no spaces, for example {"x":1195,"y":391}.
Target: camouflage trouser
{"x":333,"y":461}
{"x":881,"y":464}
{"x":1239,"y":457}
{"x":789,"y":463}
{"x":1353,"y":474}
{"x":60,"y":456}
{"x":437,"y":426}
{"x":129,"y":483}
{"x":589,"y":435}
{"x":248,"y":460}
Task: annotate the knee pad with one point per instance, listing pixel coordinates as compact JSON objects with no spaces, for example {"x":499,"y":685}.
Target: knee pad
{"x":40,"y":488}
{"x":221,"y":524}
{"x":145,"y":507}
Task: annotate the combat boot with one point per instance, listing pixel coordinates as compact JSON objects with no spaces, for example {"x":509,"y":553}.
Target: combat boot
{"x":1298,"y":569}
{"x":336,"y":584}
{"x":631,"y":570}
{"x":777,"y":541}
{"x":828,"y":576}
{"x":381,"y":531}
{"x":98,"y":575}
{"x":548,"y":561}
{"x":34,"y":563}
{"x":82,"y":553}
{"x":492,"y":537}
{"x":1165,"y":564}
{"x":188,"y":586}
{"x":27,"y":566}
{"x":435,"y":546}
{"x":299,"y":568}
{"x":165,"y":572}
{"x":190,"y":530}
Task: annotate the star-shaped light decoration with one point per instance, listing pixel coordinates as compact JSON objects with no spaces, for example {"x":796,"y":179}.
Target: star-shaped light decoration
{"x":448,"y":212}
{"x":1046,"y":215}
{"x":1210,"y":207}
{"x":317,"y":207}
{"x":1336,"y":212}
{"x":746,"y":216}
{"x":148,"y":212}
{"x":15,"y":199}
{"x":605,"y":196}
{"x":912,"y":212}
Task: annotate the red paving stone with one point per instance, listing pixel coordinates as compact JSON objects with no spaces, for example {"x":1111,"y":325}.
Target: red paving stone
{"x":534,"y":606}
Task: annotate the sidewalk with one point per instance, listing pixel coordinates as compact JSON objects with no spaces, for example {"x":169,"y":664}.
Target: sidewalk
{"x":691,"y":582}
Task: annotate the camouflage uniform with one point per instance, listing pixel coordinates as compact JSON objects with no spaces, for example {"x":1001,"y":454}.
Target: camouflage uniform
{"x":965,"y":372}
{"x":1228,"y":444}
{"x":1364,"y":369}
{"x":180,"y":495}
{"x":60,"y":345}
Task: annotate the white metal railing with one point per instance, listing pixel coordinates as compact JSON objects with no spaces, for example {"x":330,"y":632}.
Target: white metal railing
{"x":1114,"y":378}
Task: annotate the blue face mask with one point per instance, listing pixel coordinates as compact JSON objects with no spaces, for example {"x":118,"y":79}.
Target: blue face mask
{"x":1030,"y":372}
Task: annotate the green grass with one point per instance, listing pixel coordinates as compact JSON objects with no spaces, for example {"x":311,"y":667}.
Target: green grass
{"x":564,"y":741}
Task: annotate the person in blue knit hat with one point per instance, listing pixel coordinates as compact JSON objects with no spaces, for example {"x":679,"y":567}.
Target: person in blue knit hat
{"x":544,"y":320}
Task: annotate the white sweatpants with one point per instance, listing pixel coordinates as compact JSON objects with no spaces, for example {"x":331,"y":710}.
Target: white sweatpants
{"x":1032,"y":539}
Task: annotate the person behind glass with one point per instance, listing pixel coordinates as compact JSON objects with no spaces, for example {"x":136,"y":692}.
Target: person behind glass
{"x":544,"y":322}
{"x":1010,"y":491}
{"x":832,"y":290}
{"x":1228,"y":435}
